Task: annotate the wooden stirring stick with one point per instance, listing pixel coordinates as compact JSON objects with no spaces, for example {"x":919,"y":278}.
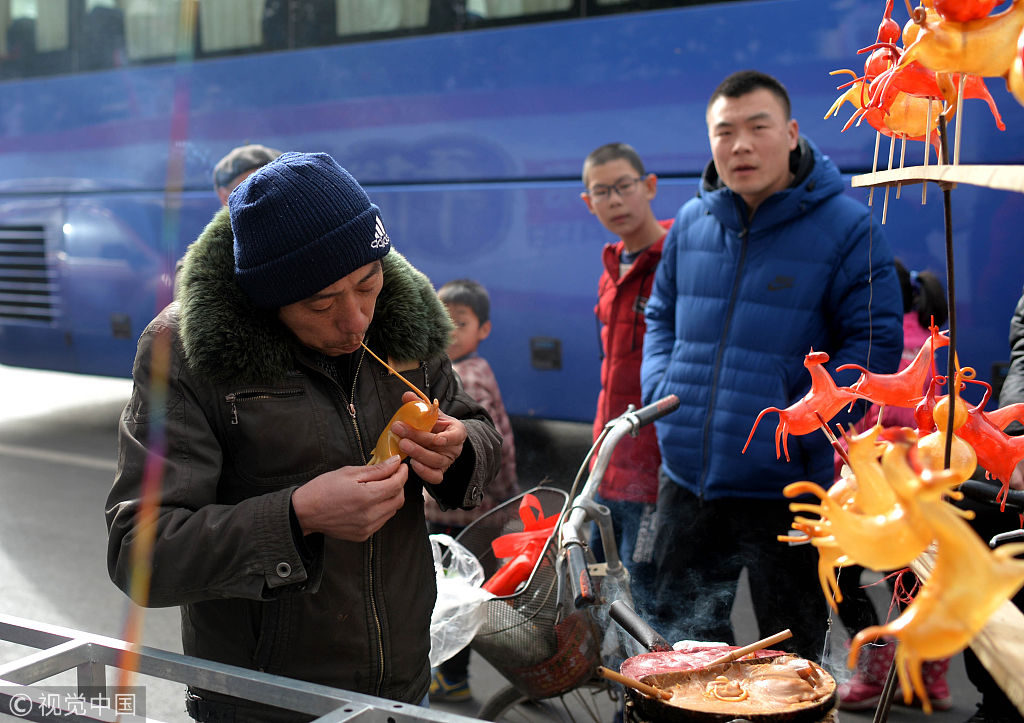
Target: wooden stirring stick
{"x":834,"y":442}
{"x":740,"y":652}
{"x":648,"y":690}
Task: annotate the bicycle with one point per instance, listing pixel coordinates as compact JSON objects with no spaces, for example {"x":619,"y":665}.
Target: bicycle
{"x":549,"y":636}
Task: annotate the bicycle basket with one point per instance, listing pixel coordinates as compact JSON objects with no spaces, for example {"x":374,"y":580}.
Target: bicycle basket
{"x":521,"y":636}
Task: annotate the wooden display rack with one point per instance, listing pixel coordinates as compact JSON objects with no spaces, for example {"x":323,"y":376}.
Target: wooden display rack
{"x":1000,"y":644}
{"x":1003,"y":178}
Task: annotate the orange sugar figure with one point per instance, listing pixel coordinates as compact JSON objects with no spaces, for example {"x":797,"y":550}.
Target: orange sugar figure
{"x":420,"y":414}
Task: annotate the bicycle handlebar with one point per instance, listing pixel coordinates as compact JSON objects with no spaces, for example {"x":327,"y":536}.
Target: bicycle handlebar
{"x":636,"y":626}
{"x":656,"y":410}
{"x":580,"y":583}
{"x":987,"y":492}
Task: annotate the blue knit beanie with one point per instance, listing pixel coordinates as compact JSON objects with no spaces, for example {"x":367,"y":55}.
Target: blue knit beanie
{"x":300,"y":223}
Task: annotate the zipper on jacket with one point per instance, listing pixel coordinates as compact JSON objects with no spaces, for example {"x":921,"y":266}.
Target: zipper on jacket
{"x":426,"y":379}
{"x":638,"y":313}
{"x":359,"y":437}
{"x":351,"y":406}
{"x":384,"y":374}
{"x":744,"y":236}
{"x":347,"y":404}
{"x":376,"y":615}
{"x":251,"y":394}
{"x":371,"y":551}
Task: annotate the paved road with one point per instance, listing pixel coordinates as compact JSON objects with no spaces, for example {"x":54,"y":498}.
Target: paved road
{"x":57,"y":452}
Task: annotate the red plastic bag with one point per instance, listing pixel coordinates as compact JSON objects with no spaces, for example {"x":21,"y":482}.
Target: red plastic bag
{"x":524,"y":548}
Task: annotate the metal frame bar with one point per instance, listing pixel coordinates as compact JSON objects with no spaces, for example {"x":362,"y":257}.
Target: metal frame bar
{"x":62,"y":649}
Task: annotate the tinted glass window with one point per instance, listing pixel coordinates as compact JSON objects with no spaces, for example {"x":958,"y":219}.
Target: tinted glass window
{"x":47,"y":37}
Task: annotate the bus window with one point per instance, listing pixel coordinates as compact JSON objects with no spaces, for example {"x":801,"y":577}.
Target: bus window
{"x":230,"y":24}
{"x":101,"y":44}
{"x":356,"y":17}
{"x":493,"y":9}
{"x":48,"y":37}
{"x":150,"y":29}
{"x":51,"y":25}
{"x":297,"y":24}
{"x":35,"y":38}
{"x":600,"y":7}
{"x":17,"y":43}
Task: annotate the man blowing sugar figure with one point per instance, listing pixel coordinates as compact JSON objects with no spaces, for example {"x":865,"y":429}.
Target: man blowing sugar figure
{"x":257,"y":401}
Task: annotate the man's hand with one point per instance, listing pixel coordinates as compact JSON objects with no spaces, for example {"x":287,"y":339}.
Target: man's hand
{"x":351,"y":503}
{"x":431,"y":453}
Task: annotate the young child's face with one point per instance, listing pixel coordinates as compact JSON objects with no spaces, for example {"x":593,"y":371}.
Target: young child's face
{"x":623,"y":212}
{"x":469,"y":332}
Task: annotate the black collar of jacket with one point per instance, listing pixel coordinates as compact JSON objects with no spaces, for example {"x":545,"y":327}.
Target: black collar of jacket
{"x":225,"y":336}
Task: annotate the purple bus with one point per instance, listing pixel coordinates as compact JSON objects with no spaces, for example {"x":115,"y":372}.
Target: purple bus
{"x":466,"y":120}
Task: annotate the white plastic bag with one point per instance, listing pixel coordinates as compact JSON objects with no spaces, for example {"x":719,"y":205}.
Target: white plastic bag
{"x":459,"y":610}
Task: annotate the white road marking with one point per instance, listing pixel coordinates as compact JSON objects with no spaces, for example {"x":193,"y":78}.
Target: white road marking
{"x":104,"y":464}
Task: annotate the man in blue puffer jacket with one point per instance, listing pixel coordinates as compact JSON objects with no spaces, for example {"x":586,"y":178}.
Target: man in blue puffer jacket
{"x":768,"y":263}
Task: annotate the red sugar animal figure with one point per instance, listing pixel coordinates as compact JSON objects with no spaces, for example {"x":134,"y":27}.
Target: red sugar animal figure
{"x":905,"y":388}
{"x":801,"y":417}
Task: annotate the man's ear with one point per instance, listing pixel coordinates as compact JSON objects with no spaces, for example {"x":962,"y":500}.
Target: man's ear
{"x":590,"y":204}
{"x":650,"y":182}
{"x":484,"y":331}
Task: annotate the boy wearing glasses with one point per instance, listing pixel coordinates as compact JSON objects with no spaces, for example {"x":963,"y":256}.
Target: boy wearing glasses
{"x":619,"y":193}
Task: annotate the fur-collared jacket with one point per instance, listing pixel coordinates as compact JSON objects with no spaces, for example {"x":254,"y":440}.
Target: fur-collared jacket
{"x":228,"y":415}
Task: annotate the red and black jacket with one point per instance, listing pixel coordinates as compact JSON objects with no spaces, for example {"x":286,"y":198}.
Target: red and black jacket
{"x":632,"y":474}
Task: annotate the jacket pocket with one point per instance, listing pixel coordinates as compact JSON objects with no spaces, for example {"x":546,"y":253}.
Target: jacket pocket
{"x":273,"y":435}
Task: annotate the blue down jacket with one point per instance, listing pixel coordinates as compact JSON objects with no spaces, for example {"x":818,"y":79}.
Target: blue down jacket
{"x":736,"y":306}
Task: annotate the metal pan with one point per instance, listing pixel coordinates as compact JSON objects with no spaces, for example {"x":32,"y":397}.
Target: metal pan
{"x":690,"y":703}
{"x":662,"y":658}
{"x":665,"y":668}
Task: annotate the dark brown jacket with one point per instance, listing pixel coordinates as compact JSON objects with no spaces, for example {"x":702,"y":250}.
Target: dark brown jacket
{"x":245,"y":417}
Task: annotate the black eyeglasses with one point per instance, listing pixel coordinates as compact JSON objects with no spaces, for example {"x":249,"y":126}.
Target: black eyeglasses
{"x":601,"y":193}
